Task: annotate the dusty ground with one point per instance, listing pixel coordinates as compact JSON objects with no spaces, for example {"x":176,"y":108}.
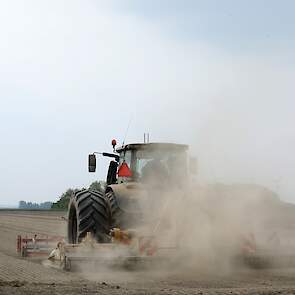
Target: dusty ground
{"x":19,"y":276}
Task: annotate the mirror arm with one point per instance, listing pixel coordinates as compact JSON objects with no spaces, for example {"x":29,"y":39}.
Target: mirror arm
{"x":116,"y":157}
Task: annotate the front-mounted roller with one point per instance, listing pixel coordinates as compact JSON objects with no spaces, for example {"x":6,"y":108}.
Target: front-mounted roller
{"x":88,"y":212}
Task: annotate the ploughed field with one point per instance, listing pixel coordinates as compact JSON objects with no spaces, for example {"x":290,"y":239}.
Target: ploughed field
{"x":25,"y":276}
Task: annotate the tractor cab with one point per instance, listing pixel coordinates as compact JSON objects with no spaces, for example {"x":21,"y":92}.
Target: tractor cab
{"x":159,"y":163}
{"x":152,"y":163}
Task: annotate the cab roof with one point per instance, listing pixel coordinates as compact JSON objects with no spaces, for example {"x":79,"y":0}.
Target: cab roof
{"x":153,"y":146}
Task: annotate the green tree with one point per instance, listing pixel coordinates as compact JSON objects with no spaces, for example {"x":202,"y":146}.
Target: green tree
{"x":98,"y":186}
{"x":64,"y":200}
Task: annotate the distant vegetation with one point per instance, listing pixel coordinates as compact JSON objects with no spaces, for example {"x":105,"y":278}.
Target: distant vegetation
{"x":30,"y":205}
{"x":98,"y":186}
{"x":63,"y":202}
{"x":64,"y":199}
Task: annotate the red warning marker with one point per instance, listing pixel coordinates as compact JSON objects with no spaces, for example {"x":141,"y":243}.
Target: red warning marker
{"x":124,"y":170}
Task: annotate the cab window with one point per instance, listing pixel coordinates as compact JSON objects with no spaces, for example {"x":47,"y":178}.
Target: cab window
{"x":126,"y":157}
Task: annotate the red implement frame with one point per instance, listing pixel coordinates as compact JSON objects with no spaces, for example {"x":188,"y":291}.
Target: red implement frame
{"x":30,"y":247}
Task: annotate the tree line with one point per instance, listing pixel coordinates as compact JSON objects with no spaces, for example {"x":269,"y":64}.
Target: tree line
{"x":30,"y":205}
{"x":63,"y":202}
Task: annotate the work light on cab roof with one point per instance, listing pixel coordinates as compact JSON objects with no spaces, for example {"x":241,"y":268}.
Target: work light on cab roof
{"x":114,"y":143}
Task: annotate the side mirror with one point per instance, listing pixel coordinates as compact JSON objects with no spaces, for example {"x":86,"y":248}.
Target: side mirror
{"x":91,"y":163}
{"x":193,"y":166}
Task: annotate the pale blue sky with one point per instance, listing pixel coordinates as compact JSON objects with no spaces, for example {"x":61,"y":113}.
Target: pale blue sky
{"x":234,"y":24}
{"x":218,"y":75}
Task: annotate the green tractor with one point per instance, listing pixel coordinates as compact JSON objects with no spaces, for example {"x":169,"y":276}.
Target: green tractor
{"x":137,"y":175}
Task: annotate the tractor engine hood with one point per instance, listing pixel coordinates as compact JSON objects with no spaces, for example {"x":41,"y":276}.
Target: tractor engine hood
{"x":131,"y":197}
{"x":141,"y":205}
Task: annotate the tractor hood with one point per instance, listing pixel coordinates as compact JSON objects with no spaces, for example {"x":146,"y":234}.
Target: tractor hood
{"x":140,"y":205}
{"x":131,"y":197}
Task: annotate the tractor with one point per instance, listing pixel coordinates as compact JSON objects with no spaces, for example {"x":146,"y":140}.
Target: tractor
{"x":137,"y":174}
{"x":149,"y":212}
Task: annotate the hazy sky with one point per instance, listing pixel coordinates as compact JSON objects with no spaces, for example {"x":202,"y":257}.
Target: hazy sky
{"x":218,"y":75}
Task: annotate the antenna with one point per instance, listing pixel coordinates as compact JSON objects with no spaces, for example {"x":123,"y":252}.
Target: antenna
{"x":129,"y":123}
{"x":146,"y":138}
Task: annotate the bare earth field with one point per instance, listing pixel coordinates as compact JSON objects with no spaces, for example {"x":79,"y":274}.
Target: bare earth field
{"x":24,"y":276}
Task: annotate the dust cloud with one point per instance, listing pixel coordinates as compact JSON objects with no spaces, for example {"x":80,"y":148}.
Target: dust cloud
{"x":210,"y":226}
{"x":200,"y":229}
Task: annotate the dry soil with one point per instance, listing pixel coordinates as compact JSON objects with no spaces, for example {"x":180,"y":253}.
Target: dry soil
{"x":25,"y":276}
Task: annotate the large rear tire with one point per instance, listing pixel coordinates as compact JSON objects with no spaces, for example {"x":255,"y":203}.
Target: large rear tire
{"x":88,"y":212}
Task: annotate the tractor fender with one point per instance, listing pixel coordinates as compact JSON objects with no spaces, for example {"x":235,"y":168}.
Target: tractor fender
{"x":130,"y":197}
